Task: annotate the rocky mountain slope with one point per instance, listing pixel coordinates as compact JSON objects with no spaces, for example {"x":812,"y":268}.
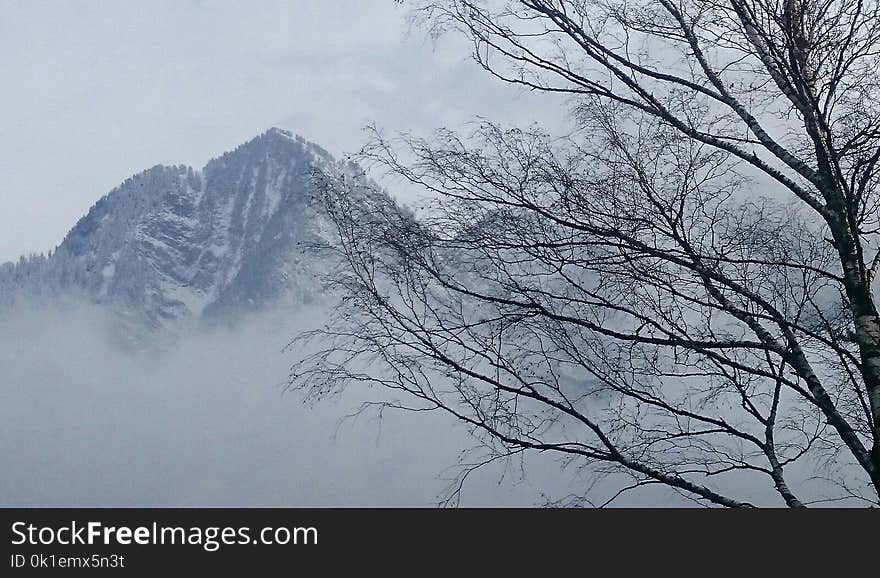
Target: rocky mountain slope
{"x":174,"y":243}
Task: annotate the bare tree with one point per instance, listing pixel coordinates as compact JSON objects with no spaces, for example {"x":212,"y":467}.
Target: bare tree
{"x":680,"y":293}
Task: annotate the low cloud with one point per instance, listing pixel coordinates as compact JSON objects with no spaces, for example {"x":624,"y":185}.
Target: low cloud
{"x":206,"y":422}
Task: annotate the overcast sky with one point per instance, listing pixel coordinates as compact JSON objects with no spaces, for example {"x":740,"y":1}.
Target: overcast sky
{"x":94,"y":92}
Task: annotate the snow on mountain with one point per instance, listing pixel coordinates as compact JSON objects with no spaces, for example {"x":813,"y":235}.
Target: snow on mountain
{"x":175,"y":243}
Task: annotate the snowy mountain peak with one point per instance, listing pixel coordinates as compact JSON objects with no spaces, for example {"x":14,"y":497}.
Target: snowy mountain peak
{"x":173,"y":242}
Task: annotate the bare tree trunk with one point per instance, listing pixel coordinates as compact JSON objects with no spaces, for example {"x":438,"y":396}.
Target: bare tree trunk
{"x":867,"y":335}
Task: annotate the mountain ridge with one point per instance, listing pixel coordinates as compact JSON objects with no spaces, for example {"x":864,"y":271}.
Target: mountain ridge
{"x":173,"y":242}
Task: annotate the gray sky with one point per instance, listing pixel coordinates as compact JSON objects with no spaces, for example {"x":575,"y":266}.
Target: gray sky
{"x":94,"y":92}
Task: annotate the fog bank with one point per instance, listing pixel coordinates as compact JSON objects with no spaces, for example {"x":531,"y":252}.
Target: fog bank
{"x":206,"y":422}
